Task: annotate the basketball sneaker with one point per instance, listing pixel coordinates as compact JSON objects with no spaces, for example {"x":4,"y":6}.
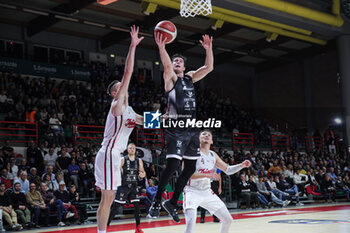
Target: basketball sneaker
{"x":172,"y":210}
{"x":138,"y":230}
{"x":154,"y":210}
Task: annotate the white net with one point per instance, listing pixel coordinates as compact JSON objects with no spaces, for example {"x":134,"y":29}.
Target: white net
{"x":191,"y":8}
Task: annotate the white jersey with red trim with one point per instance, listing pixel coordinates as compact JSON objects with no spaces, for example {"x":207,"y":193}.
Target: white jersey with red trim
{"x":118,"y":129}
{"x":205,"y":164}
{"x":116,"y":136}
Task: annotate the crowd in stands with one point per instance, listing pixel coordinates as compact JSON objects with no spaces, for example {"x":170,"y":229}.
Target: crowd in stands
{"x":58,"y":105}
{"x":282,"y":176}
{"x":34,"y":187}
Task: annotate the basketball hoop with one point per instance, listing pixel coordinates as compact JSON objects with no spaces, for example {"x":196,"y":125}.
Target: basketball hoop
{"x":191,"y":8}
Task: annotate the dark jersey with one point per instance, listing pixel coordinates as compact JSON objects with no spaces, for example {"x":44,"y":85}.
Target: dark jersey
{"x":130,"y":171}
{"x":182,"y":99}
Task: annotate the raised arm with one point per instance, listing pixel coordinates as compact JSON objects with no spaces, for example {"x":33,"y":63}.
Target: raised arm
{"x":209,"y":60}
{"x":169,"y":74}
{"x":118,"y":105}
{"x":230,"y":170}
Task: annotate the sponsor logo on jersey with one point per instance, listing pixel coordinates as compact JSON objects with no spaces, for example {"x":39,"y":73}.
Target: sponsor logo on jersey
{"x":130,"y":123}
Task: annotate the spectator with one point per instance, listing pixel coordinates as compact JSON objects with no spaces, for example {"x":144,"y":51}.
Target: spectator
{"x":75,"y":200}
{"x":54,"y":204}
{"x":271,"y":186}
{"x":73,"y":171}
{"x":244,"y":192}
{"x":289,"y":174}
{"x":268,"y":194}
{"x":50,"y":158}
{"x":63,"y":162}
{"x":284,"y":186}
{"x":300,"y":180}
{"x":327,"y":188}
{"x":34,"y":157}
{"x":253,"y":188}
{"x":24,"y":182}
{"x":59,"y":179}
{"x":86,"y":177}
{"x":7,"y":211}
{"x":347,"y":187}
{"x":151,"y":190}
{"x":49,"y":183}
{"x":33,"y":177}
{"x":20,"y":206}
{"x":12,"y":168}
{"x":36,"y":201}
{"x":56,"y":127}
{"x":5,"y":178}
{"x":275,"y":169}
{"x":24,"y":165}
{"x":63,"y":195}
{"x":50,"y":173}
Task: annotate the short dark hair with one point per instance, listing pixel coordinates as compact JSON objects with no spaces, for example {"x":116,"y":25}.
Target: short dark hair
{"x":206,"y":130}
{"x":180,"y":56}
{"x":109,"y":88}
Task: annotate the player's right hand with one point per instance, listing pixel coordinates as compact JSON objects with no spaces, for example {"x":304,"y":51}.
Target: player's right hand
{"x":159,"y":39}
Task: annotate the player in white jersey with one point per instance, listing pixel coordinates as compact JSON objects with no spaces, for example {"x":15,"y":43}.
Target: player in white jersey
{"x":120,"y":122}
{"x":197,"y":191}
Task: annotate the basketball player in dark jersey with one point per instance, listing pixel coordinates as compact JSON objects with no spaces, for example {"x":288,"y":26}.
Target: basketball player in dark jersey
{"x":182,"y":143}
{"x":132,"y":168}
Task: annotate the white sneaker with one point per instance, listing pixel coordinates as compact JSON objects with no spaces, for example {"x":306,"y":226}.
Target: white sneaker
{"x":286,"y":202}
{"x":69,"y":214}
{"x":61,"y":224}
{"x":299,"y":204}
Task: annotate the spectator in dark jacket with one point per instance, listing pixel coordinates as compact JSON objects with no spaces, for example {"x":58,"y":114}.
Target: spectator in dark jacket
{"x":53,"y":203}
{"x":8,"y":214}
{"x":33,"y":177}
{"x":245,"y":193}
{"x":327,"y":188}
{"x":86,"y":177}
{"x":75,"y":200}
{"x":20,"y":205}
{"x":63,"y":195}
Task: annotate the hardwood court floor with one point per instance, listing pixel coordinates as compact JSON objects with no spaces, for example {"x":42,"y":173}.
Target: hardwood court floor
{"x":324,"y":218}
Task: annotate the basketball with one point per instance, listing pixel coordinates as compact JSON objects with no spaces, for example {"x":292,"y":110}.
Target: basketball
{"x":167,"y":29}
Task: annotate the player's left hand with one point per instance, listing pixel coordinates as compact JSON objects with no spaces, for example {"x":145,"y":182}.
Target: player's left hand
{"x":207,"y":42}
{"x":134,"y":33}
{"x":246,"y":163}
{"x":219,"y":190}
{"x":142,"y":174}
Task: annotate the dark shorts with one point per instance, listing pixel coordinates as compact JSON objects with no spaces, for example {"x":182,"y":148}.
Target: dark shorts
{"x":182,"y":143}
{"x":125,"y":193}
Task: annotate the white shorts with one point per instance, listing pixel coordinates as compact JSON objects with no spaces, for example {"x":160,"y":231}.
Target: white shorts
{"x":107,"y":169}
{"x":204,"y":198}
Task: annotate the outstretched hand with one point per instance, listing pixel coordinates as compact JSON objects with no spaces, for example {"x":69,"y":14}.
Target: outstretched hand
{"x":246,"y":163}
{"x":160,"y":40}
{"x":134,"y":33}
{"x":207,"y":42}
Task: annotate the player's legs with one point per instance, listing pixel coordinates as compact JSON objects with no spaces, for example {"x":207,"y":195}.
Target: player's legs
{"x":190,"y":217}
{"x":225,"y":217}
{"x":190,"y":156}
{"x":107,"y":197}
{"x":187,"y":172}
{"x":172,"y":165}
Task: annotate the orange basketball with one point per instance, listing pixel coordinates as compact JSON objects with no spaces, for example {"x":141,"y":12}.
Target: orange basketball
{"x":167,"y":29}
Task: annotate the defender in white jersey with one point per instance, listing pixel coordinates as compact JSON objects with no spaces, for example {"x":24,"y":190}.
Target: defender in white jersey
{"x":197,"y":191}
{"x":120,"y":122}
